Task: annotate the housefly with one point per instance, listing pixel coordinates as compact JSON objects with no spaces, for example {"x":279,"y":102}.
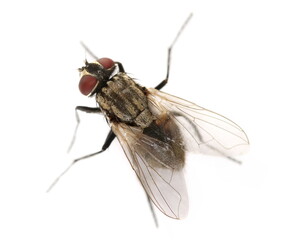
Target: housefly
{"x":156,"y":130}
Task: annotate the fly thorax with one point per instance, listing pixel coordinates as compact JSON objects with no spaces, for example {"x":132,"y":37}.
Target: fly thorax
{"x":125,"y":101}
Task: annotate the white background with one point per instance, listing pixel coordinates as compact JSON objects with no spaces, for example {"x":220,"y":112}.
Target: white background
{"x":228,"y":60}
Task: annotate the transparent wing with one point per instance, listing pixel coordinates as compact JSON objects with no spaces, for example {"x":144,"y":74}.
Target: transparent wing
{"x":153,"y":162}
{"x":204,"y":131}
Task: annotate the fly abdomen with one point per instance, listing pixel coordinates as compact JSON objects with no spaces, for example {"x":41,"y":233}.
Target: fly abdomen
{"x":124,"y":100}
{"x":168,"y":140}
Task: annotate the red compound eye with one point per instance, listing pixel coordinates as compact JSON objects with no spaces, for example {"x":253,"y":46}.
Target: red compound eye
{"x":106,"y":62}
{"x":86,"y":84}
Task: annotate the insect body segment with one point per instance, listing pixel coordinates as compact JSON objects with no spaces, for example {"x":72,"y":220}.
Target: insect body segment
{"x":94,"y":75}
{"x":125,"y":101}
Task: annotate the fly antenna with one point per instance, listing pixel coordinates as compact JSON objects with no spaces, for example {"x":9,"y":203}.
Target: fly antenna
{"x":88,"y":51}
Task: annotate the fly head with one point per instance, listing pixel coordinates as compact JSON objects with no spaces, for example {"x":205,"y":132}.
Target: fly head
{"x":93,"y":76}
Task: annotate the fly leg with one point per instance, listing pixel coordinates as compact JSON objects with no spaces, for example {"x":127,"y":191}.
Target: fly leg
{"x":120,"y":67}
{"x":88,"y":51}
{"x":111,"y":136}
{"x":152,"y":210}
{"x":164,"y":82}
{"x":82,"y":109}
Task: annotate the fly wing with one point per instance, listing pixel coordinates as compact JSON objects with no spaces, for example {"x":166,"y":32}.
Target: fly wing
{"x":204,"y":131}
{"x":155,"y":164}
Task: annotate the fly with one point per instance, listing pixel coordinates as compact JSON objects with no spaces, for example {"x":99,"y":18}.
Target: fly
{"x":156,"y":130}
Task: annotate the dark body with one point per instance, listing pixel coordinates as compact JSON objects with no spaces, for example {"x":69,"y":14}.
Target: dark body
{"x":124,"y":101}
